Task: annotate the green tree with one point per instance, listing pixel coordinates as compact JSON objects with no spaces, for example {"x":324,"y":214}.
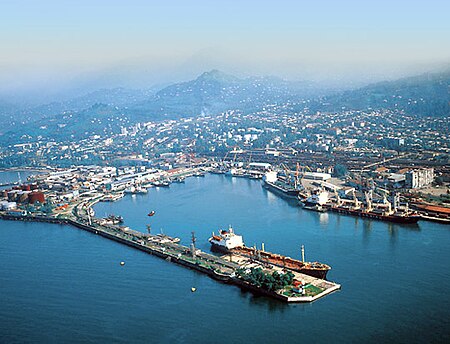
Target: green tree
{"x":340,"y":170}
{"x":439,"y":181}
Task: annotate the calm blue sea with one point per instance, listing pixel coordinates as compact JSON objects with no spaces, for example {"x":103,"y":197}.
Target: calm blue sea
{"x":59,"y":284}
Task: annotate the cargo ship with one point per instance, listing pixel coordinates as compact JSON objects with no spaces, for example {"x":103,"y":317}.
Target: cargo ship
{"x":385,"y":211}
{"x":280,"y":186}
{"x":229,"y":242}
{"x":433,"y":213}
{"x":397,"y":217}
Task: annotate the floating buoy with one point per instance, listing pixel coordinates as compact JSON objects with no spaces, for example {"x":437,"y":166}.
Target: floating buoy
{"x":193,"y":289}
{"x":122,"y":263}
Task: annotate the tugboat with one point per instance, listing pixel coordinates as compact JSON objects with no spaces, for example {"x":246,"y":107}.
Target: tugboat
{"x":227,"y":241}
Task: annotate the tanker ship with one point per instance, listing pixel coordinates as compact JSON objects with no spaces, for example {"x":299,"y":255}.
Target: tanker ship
{"x":228,"y":242}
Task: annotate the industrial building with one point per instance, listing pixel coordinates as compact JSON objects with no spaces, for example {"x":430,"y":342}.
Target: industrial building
{"x":418,"y":178}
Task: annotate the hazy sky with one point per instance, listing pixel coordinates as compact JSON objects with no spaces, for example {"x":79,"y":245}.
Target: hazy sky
{"x":44,"y":42}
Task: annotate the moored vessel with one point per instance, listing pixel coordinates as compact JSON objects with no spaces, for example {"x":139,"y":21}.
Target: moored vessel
{"x":161,"y":183}
{"x":136,"y":190}
{"x":317,"y":201}
{"x":273,"y":183}
{"x":237,"y":172}
{"x":385,"y":211}
{"x":228,"y":242}
{"x":112,"y":197}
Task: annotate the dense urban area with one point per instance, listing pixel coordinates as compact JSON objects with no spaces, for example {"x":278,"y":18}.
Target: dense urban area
{"x":384,"y":149}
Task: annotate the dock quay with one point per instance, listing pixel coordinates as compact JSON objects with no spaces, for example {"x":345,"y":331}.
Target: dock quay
{"x":219,"y":268}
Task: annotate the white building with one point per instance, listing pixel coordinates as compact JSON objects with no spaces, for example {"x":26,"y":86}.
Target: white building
{"x":317,"y":176}
{"x":419,"y":178}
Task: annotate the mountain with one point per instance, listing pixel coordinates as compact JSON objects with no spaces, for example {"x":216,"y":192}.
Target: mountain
{"x":424,"y":95}
{"x":214,"y":92}
{"x":115,"y":97}
{"x":12,"y":115}
{"x":97,"y":119}
{"x":7,"y":110}
{"x":106,"y":110}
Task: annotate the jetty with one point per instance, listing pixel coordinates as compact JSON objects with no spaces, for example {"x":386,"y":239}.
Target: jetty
{"x":219,"y":268}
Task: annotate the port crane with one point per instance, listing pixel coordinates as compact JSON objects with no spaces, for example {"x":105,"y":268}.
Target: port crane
{"x":235,"y":151}
{"x":288,"y":176}
{"x":353,"y":201}
{"x":356,"y":202}
{"x":369,"y":205}
{"x":389,"y":207}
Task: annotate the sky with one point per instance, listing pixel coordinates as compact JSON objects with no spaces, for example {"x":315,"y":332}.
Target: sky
{"x":45,"y":44}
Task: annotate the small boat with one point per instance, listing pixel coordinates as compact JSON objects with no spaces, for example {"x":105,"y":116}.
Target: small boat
{"x":141,"y":191}
{"x":199,"y":173}
{"x":179,"y":180}
{"x":151,"y":213}
{"x":136,"y":190}
{"x":162,"y":184}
